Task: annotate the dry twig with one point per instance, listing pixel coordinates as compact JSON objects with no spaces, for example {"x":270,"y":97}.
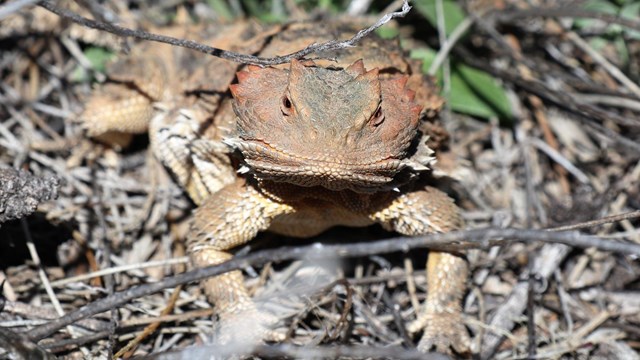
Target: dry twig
{"x":482,"y":238}
{"x":225,"y":54}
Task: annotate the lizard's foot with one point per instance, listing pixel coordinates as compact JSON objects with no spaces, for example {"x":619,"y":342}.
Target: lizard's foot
{"x":246,"y":326}
{"x":443,"y":331}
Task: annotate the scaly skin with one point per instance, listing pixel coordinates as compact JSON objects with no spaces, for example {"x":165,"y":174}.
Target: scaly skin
{"x":296,"y":149}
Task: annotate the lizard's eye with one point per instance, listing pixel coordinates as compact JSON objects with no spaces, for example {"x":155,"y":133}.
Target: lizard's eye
{"x":378,"y":117}
{"x":287,"y":107}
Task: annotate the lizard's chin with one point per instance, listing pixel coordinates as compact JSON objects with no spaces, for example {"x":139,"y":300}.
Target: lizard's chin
{"x":267,"y":162}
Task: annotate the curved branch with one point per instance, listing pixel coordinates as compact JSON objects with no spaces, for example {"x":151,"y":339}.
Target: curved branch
{"x":225,"y":54}
{"x":479,"y":238}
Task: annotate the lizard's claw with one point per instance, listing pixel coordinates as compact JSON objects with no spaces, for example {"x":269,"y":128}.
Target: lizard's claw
{"x":246,"y":326}
{"x":443,"y":332}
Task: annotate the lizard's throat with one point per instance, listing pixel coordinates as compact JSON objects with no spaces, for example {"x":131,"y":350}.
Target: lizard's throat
{"x":270,"y":163}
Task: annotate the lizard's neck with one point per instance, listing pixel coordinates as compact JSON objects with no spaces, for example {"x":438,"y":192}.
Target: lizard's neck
{"x":322,"y":197}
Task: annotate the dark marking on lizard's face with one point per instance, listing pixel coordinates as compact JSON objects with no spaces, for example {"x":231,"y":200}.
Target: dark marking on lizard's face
{"x":337,"y":128}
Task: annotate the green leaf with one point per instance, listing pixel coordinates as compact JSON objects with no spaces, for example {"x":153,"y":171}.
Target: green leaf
{"x":387,"y":32}
{"x":477,"y":93}
{"x":262,"y":11}
{"x":602,"y":6}
{"x":473,"y":92}
{"x":98,"y":57}
{"x":631,"y":11}
{"x":221,"y":9}
{"x":426,"y":55}
{"x":453,"y":14}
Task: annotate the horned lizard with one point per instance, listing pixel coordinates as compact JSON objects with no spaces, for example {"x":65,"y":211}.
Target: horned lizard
{"x":293,"y":149}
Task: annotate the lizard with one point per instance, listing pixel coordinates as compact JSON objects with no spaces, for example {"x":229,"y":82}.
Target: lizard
{"x":293,"y":149}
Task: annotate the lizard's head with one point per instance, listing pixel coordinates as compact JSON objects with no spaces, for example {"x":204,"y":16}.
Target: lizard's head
{"x":337,"y":128}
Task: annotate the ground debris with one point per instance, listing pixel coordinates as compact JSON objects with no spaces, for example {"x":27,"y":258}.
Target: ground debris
{"x":21,"y":192}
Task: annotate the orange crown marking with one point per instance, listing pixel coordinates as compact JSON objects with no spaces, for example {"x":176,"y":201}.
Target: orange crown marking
{"x":401,"y":81}
{"x":235,"y":89}
{"x":416,"y":109}
{"x":369,"y":75}
{"x":357,"y":68}
{"x":243,"y":75}
{"x":410,"y":94}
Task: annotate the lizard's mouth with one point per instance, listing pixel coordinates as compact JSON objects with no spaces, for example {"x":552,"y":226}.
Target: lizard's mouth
{"x":269,"y":162}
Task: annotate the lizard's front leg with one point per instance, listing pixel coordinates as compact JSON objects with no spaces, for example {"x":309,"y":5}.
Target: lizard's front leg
{"x":422,"y":212}
{"x":228,"y":218}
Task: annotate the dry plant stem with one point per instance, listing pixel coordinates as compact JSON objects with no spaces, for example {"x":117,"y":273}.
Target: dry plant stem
{"x":43,"y":276}
{"x":560,"y":160}
{"x":589,"y":115}
{"x":612,"y":69}
{"x":577,"y":339}
{"x":479,"y":238}
{"x":450,"y":42}
{"x":106,"y":263}
{"x":14,"y":6}
{"x":119,"y":269}
{"x":6,"y":290}
{"x":528,"y":303}
{"x":347,"y":307}
{"x":67,"y":344}
{"x":397,"y":319}
{"x":563,"y":298}
{"x":151,"y":328}
{"x":610,"y":100}
{"x":503,"y":319}
{"x":549,"y":259}
{"x":411,"y":284}
{"x":605,"y":220}
{"x":224,"y":54}
{"x":566,"y":11}
{"x":45,"y":280}
{"x":550,"y":139}
{"x":19,"y":347}
{"x":445,"y":47}
{"x":542,"y":120}
{"x":168,"y":318}
{"x":563,"y":100}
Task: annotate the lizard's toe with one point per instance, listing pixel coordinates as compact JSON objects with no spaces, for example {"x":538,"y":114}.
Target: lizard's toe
{"x":444,"y":333}
{"x":246,"y":327}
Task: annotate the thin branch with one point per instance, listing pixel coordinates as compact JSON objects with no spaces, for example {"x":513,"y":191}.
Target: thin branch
{"x":151,"y":328}
{"x":560,"y":159}
{"x":119,"y":269}
{"x":609,"y":100}
{"x":597,"y":222}
{"x":19,"y":347}
{"x":479,"y":238}
{"x":606,"y":64}
{"x":224,"y":54}
{"x":44,"y":278}
{"x":566,"y":11}
{"x":450,"y":42}
{"x":13,"y":7}
{"x":67,"y":344}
